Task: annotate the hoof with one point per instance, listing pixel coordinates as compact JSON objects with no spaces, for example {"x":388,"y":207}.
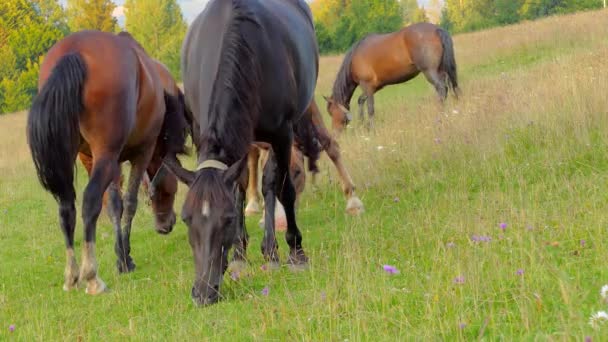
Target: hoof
{"x":70,"y":285}
{"x":127,"y":267}
{"x":354,"y":206}
{"x":96,"y":286}
{"x":252,"y":208}
{"x":280,"y":224}
{"x":297,"y":260}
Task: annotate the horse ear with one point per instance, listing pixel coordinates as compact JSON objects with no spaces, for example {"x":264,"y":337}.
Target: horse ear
{"x":185,"y":176}
{"x":235,"y":171}
{"x":327,"y":99}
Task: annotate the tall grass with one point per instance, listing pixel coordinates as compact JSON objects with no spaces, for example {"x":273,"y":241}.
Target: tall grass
{"x":524,"y":146}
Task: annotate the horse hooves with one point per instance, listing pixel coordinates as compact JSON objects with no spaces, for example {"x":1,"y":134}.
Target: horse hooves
{"x":280,"y":224}
{"x":127,"y":267}
{"x":70,"y":285}
{"x":354,"y":206}
{"x":96,"y":286}
{"x":297,"y":260}
{"x":252,"y":208}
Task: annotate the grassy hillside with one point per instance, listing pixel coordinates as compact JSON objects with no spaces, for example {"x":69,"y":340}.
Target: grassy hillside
{"x":493,"y":209}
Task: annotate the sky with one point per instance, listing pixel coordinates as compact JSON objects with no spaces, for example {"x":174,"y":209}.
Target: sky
{"x":190,"y":8}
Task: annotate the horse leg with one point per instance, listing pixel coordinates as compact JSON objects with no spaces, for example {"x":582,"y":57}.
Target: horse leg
{"x":370,"y":111}
{"x":241,"y":238}
{"x":440,"y":83}
{"x":123,"y":247}
{"x":253,"y":205}
{"x":105,"y":168}
{"x":67,"y":220}
{"x":368,"y":95}
{"x":284,"y":186}
{"x":270,"y":246}
{"x":361,"y":102}
{"x":354,"y":206}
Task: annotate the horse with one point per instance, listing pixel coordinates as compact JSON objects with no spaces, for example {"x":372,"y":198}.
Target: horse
{"x":379,"y":60}
{"x":249,"y":69}
{"x":354,"y":206}
{"x":160,"y":185}
{"x":100,"y":95}
{"x":257,"y":159}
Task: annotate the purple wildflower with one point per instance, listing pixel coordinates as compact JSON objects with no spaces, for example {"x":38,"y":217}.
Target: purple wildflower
{"x":503,"y":225}
{"x":437,"y":141}
{"x":11,"y":328}
{"x":459,"y":280}
{"x":520,"y":272}
{"x":323,"y":295}
{"x":265,"y":291}
{"x":583,"y":242}
{"x":264,"y":267}
{"x":529,"y":227}
{"x":390,"y":269}
{"x":234,"y":275}
{"x":480,"y":238}
{"x":462,"y":325}
{"x":588,"y":339}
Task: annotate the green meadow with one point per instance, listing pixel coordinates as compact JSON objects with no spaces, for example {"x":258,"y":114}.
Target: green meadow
{"x":493,"y":210}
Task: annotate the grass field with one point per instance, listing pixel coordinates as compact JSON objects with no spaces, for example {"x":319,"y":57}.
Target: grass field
{"x":525,"y":149}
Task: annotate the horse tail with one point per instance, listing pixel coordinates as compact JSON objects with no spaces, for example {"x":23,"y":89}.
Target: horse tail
{"x":53,"y":132}
{"x":448,"y":62}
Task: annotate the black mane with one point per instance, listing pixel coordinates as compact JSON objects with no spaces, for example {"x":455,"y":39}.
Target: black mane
{"x":344,"y":86}
{"x":234,"y":99}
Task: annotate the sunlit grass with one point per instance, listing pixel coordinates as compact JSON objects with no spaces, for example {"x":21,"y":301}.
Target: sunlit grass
{"x":526,"y":145}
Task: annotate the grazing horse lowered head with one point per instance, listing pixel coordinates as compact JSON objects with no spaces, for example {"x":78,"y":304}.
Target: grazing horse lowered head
{"x":100,"y":95}
{"x":379,"y":60}
{"x":262,"y":59}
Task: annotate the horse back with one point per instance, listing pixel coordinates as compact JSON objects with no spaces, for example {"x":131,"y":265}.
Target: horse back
{"x":122,"y":95}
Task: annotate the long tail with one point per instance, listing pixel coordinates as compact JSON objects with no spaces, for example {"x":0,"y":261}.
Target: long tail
{"x":53,"y":132}
{"x":448,"y":62}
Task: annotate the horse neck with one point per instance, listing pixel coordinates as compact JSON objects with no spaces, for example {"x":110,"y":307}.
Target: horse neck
{"x":344,"y":91}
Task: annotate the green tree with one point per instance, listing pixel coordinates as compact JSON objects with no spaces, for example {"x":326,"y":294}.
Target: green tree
{"x":28,"y":29}
{"x":158,"y":25}
{"x":91,"y":15}
{"x":420,"y":15}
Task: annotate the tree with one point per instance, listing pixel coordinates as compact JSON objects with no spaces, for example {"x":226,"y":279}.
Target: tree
{"x":158,"y":25}
{"x":28,"y":29}
{"x":420,"y":15}
{"x":91,"y":15}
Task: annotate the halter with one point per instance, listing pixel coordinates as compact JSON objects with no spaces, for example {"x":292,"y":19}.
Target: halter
{"x":212,"y":164}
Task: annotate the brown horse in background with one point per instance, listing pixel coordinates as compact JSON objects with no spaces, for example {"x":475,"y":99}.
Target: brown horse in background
{"x":100,"y":95}
{"x":354,"y":205}
{"x":379,"y":60}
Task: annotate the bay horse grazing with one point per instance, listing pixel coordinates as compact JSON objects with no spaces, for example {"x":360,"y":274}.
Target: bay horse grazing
{"x":99,"y":95}
{"x":160,"y":185}
{"x":354,"y":206}
{"x":249,"y":69}
{"x":379,"y":60}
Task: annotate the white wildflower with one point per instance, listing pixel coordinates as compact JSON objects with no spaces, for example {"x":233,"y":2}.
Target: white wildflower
{"x":380,"y":147}
{"x":598,"y":318}
{"x":604,"y":292}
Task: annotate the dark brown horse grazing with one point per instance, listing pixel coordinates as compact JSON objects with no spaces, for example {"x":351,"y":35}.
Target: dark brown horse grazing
{"x":354,"y":206}
{"x":249,"y":69}
{"x":100,"y":95}
{"x":379,"y":60}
